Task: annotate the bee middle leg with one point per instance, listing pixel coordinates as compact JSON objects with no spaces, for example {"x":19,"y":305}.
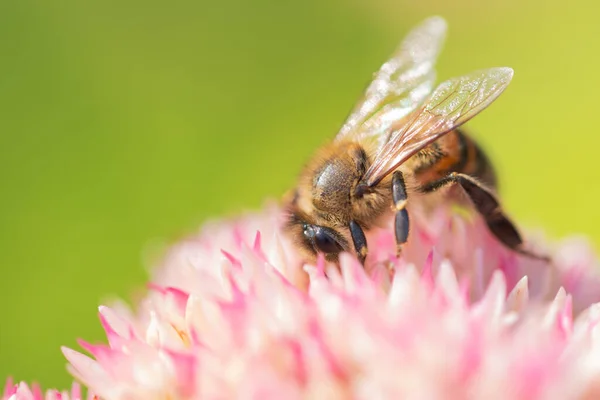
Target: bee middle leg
{"x":489,"y":207}
{"x":401,"y":222}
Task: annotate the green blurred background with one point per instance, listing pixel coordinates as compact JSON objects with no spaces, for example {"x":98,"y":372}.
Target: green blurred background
{"x":128,"y":123}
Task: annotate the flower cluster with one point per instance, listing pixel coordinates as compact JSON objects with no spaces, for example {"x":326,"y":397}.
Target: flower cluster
{"x":233,"y":313}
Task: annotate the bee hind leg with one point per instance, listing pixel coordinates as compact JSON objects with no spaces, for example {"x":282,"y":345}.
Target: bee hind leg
{"x":401,"y":222}
{"x":490,"y":209}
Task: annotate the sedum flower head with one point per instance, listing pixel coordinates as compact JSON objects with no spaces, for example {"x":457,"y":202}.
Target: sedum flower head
{"x":233,"y":313}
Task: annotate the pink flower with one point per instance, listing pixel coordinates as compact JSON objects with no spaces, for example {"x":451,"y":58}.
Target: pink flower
{"x":232,"y":313}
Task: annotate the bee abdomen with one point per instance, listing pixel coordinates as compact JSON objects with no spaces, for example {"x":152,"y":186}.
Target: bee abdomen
{"x":473,"y":160}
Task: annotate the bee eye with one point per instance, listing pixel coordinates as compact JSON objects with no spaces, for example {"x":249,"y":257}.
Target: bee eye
{"x":324,"y":239}
{"x":326,"y":243}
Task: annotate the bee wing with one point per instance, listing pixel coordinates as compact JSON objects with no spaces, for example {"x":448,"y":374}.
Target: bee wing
{"x":453,"y":103}
{"x":401,"y":84}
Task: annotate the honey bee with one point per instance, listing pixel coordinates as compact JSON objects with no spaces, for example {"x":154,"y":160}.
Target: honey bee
{"x":400,"y":131}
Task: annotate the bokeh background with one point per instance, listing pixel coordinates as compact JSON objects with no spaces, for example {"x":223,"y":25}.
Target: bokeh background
{"x":125,"y":124}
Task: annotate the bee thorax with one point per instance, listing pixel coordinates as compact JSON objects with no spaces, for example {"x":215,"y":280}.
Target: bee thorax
{"x":333,"y":185}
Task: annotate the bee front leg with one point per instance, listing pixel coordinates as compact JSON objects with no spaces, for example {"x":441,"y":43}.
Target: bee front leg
{"x":359,"y":240}
{"x":401,"y":223}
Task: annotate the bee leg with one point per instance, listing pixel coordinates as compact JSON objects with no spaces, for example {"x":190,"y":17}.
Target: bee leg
{"x":401,"y":223}
{"x":490,"y":209}
{"x":359,"y":240}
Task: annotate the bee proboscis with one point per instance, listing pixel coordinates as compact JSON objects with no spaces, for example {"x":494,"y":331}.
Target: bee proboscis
{"x":400,"y":131}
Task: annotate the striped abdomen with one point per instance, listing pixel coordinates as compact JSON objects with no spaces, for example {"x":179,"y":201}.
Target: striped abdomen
{"x":453,"y":152}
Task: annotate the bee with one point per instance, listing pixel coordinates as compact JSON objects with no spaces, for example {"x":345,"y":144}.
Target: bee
{"x":400,"y":131}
